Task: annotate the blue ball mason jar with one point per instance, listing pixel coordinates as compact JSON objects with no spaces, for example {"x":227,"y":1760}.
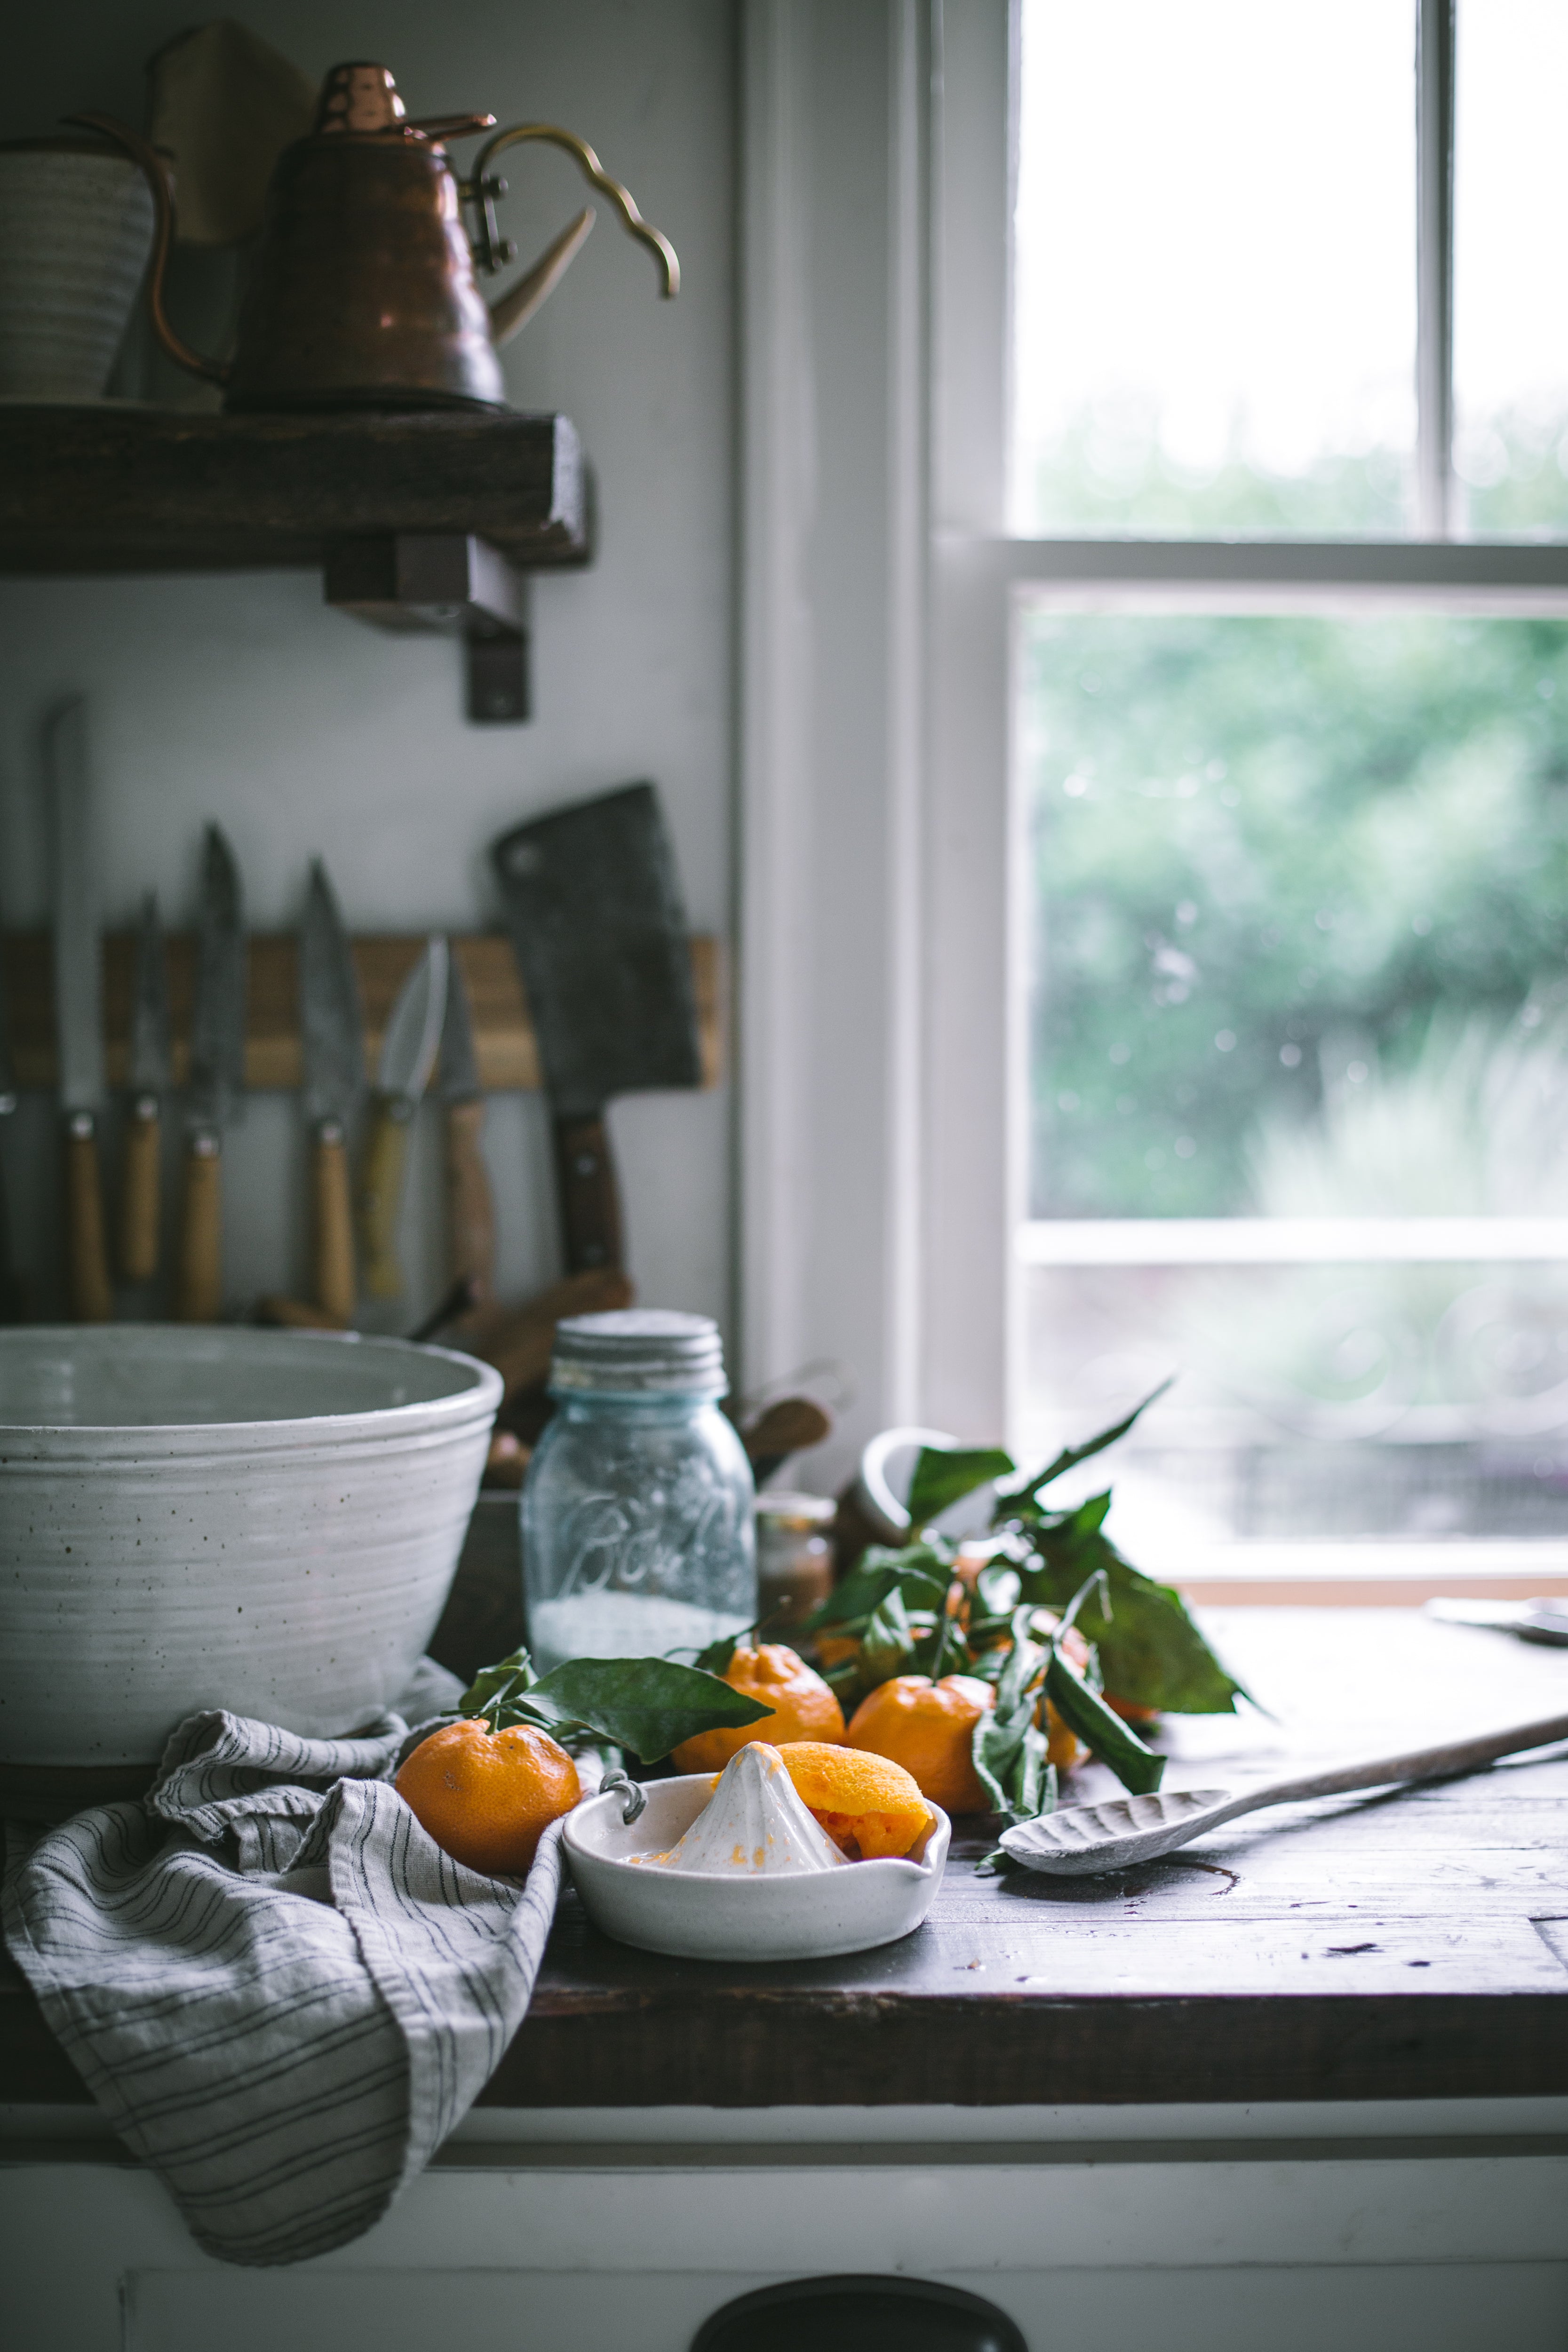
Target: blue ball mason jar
{"x":637,"y":1511}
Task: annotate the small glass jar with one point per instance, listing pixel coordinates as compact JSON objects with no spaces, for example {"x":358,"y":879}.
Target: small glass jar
{"x":637,"y":1536}
{"x":795,"y":1558}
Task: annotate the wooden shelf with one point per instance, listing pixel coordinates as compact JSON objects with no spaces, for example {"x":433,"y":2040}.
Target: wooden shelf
{"x":503,"y":1033}
{"x":117,"y":487}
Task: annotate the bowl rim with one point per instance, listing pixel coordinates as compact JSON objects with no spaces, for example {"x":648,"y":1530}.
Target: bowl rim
{"x":933,"y":1858}
{"x":480,"y":1398}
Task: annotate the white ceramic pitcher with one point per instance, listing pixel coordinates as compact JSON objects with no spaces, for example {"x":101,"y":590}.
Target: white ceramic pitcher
{"x":75,"y":235}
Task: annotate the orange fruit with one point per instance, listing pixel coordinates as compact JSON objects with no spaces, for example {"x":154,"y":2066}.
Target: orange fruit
{"x":868,"y":1805}
{"x":1063,"y":1746}
{"x":1130,"y":1710}
{"x":927,"y":1728}
{"x":777,"y":1677}
{"x":487,"y":1798}
{"x":834,"y":1648}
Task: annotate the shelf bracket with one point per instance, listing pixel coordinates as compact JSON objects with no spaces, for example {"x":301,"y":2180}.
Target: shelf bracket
{"x":448,"y":581}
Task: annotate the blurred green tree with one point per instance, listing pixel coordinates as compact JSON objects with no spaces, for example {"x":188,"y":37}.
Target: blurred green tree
{"x":1265,"y":853}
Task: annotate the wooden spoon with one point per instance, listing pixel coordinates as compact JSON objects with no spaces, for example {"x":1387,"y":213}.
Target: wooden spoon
{"x":1087,"y":1838}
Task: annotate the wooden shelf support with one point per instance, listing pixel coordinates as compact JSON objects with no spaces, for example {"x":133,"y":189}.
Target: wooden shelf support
{"x":419,"y":522}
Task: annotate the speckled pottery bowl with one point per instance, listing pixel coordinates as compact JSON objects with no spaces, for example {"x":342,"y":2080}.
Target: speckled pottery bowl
{"x":267,"y":1521}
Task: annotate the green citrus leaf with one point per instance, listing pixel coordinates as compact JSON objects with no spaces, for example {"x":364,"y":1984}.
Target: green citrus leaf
{"x":919,"y":1573}
{"x":1071,"y":1456}
{"x":1104,"y":1734}
{"x":945,"y":1474}
{"x":887,"y":1644}
{"x":506,"y":1678}
{"x":648,"y":1705}
{"x":1151,"y":1651}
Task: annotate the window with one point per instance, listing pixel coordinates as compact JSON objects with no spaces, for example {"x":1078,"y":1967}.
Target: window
{"x":1279,"y":468}
{"x":1292,"y":786}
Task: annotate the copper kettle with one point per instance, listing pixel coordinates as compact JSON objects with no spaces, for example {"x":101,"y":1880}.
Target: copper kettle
{"x":363,"y":292}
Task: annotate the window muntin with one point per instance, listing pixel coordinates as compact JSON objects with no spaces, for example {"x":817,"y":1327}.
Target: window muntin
{"x":1511,"y":196}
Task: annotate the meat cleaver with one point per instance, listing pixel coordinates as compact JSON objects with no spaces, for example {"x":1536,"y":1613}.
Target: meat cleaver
{"x":593,"y":904}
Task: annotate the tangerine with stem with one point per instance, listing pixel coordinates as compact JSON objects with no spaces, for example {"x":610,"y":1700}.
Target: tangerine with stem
{"x":927,"y":1728}
{"x":487,"y":1797}
{"x":777,"y":1676}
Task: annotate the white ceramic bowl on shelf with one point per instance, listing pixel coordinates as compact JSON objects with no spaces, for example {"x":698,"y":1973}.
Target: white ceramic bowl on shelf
{"x":267,"y":1521}
{"x":697,"y":1915}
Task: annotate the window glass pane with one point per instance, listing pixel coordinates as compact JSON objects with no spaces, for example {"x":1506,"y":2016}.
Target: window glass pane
{"x":1301,"y":884}
{"x":1402,"y":1408}
{"x":1214,"y":277}
{"x":1300,"y":957}
{"x":1510,"y":331}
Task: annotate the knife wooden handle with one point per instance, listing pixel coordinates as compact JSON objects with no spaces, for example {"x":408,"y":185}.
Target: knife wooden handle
{"x":139,"y":1197}
{"x":200,"y":1297}
{"x":470,"y":1204}
{"x":381,"y":1197}
{"x":333,"y":1282}
{"x":589,"y":1195}
{"x":86,"y":1248}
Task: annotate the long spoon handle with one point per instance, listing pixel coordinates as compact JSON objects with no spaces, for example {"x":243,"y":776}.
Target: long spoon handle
{"x":1416,"y":1764}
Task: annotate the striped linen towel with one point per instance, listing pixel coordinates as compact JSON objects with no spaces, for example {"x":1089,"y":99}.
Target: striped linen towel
{"x":281,"y":1994}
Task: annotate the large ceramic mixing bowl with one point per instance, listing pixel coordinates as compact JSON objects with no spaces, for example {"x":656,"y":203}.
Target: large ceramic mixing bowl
{"x":266,"y":1521}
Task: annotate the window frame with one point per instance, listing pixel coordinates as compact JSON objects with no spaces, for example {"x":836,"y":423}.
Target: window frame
{"x":882,"y":1030}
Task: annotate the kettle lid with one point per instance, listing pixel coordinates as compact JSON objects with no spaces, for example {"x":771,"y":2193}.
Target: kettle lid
{"x":358,"y":97}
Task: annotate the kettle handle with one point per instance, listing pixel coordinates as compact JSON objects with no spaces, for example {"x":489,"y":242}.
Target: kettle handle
{"x":480,"y":189}
{"x":153,"y":170}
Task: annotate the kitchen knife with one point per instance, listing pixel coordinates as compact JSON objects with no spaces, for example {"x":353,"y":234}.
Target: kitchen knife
{"x":79,"y":1007}
{"x":470,"y":1204}
{"x":216,"y":1079}
{"x":408,"y":1050}
{"x":331,"y":1037}
{"x":593,"y":907}
{"x":147,"y":1076}
{"x":10,"y":1287}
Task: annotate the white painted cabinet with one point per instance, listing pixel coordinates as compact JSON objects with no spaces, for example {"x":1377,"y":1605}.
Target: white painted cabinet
{"x":1434,"y":2228}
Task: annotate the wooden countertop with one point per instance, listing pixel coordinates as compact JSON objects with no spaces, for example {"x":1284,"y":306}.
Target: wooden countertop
{"x":1361,"y":1947}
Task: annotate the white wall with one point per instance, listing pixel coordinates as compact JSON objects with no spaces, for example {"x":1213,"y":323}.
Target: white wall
{"x":302,"y":730}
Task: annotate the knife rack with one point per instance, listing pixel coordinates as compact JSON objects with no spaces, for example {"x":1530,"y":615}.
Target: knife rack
{"x":504,"y":1042}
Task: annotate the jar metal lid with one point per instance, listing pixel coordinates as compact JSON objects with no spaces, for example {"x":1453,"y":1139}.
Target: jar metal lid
{"x":638,"y":1352}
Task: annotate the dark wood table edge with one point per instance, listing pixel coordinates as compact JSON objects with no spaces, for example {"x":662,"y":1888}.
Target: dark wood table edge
{"x":755,"y":2049}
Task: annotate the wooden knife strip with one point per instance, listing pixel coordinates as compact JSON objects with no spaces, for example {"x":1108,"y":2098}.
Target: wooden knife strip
{"x":503,"y":1033}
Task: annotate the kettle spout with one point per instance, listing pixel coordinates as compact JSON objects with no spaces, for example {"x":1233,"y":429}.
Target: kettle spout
{"x":514,"y":310}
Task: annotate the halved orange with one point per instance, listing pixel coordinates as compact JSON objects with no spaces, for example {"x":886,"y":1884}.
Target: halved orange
{"x":868,"y":1805}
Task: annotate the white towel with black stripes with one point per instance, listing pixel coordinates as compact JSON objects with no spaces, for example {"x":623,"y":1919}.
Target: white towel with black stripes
{"x":280,"y":1991}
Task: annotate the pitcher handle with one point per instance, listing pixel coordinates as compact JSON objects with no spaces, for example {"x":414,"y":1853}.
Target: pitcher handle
{"x":513,"y":310}
{"x":154,"y":173}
